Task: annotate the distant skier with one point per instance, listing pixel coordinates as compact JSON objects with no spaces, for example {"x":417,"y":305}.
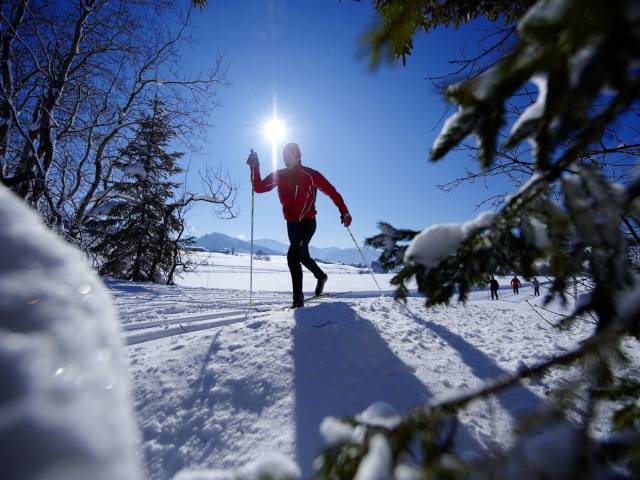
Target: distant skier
{"x":515,"y":283}
{"x":536,"y":286}
{"x":297,"y":189}
{"x":494,"y":286}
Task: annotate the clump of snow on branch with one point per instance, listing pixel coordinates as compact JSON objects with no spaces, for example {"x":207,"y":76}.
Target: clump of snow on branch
{"x":539,"y":233}
{"x":65,"y":410}
{"x":535,"y":178}
{"x":436,"y":242}
{"x":380,"y":414}
{"x":275,"y":466}
{"x":483,"y":84}
{"x":458,"y":121}
{"x":205,"y":198}
{"x":136,"y":170}
{"x":376,"y":465}
{"x":534,"y":112}
{"x":544,"y":12}
{"x":336,"y":432}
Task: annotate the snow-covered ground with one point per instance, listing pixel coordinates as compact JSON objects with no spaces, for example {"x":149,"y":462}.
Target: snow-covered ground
{"x":217,"y":270}
{"x":218,"y":384}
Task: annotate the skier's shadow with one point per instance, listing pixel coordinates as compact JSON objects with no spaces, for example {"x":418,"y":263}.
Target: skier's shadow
{"x":342,"y":367}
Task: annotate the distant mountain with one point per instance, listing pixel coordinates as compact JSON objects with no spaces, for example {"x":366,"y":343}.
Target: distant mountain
{"x":273,"y":245}
{"x":219,"y":241}
{"x":344,"y":255}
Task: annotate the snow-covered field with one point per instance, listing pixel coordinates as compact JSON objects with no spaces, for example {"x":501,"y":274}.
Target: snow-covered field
{"x":218,"y":384}
{"x":217,"y":270}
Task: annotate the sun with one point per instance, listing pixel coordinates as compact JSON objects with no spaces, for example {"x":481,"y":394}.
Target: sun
{"x":274,"y":130}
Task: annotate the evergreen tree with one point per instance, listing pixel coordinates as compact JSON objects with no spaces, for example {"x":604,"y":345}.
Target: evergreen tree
{"x":137,"y":234}
{"x":583,"y":57}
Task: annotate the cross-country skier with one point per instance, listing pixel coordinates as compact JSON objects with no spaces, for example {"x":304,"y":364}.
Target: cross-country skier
{"x":515,"y":283}
{"x":297,"y":188}
{"x":494,"y":286}
{"x":536,"y":286}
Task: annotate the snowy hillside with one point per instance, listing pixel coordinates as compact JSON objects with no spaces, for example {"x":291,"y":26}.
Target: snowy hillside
{"x":218,"y":384}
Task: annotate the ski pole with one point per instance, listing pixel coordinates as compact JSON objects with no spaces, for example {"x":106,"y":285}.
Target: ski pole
{"x":363,"y":259}
{"x":251,"y":254}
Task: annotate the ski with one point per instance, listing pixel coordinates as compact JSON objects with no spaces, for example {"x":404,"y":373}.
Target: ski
{"x":319,"y":297}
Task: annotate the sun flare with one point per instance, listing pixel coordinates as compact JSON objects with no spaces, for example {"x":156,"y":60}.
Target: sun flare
{"x":274,"y":130}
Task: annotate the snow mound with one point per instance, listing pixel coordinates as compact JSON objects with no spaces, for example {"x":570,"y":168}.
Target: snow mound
{"x":275,"y":467}
{"x":65,"y":411}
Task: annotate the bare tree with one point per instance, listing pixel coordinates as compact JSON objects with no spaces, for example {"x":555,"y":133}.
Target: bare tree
{"x":75,"y":76}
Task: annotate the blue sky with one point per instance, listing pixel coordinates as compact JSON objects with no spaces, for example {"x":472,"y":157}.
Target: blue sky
{"x":368,"y":133}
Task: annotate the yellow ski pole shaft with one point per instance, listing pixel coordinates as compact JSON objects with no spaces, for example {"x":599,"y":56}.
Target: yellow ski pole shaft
{"x":251,"y":253}
{"x":363,"y":259}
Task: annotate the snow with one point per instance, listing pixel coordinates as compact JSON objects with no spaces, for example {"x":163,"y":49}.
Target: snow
{"x":580,"y":61}
{"x":277,"y":467}
{"x":534,"y":111}
{"x":205,"y":198}
{"x":436,"y":242}
{"x":533,"y":179}
{"x":539,"y":232}
{"x":224,"y":390}
{"x":219,"y":385}
{"x":484,"y":83}
{"x":65,"y":409}
{"x":376,"y":465}
{"x":629,"y":301}
{"x":105,"y":207}
{"x":335,"y":432}
{"x":544,"y":12}
{"x":458,"y":121}
{"x":136,"y":170}
{"x":221,"y":271}
{"x":380,"y":414}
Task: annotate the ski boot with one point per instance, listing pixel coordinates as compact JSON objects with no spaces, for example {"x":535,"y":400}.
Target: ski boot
{"x":298,"y":302}
{"x":320,"y":285}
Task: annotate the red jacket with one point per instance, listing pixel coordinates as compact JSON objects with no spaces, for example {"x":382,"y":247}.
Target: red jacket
{"x":515,"y":282}
{"x":297,"y":189}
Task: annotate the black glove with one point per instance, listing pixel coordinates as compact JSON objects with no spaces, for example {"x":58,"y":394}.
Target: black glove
{"x":345,"y":218}
{"x":252,"y":161}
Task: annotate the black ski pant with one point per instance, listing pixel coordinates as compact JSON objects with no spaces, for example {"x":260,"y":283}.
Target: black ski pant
{"x":515,"y":290}
{"x":536,"y":290}
{"x":300,"y":234}
{"x":494,"y":292}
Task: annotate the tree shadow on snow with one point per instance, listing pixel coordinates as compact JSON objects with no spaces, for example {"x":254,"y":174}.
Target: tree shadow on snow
{"x":516,"y":400}
{"x":164,"y":465}
{"x":342,"y":367}
{"x":147,"y":288}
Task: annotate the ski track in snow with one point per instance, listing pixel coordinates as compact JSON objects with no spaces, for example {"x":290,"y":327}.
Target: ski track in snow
{"x":245,"y":386}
